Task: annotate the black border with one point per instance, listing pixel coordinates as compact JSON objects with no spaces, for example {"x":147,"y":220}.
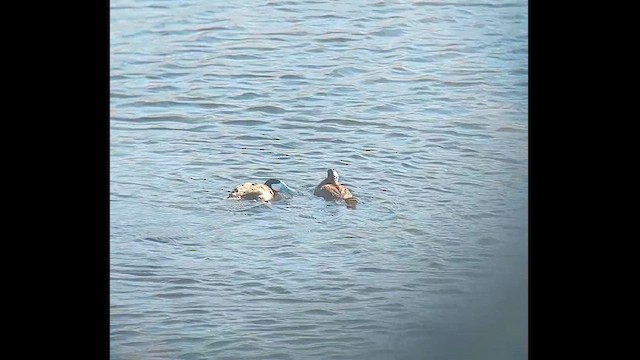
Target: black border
{"x":64,"y":94}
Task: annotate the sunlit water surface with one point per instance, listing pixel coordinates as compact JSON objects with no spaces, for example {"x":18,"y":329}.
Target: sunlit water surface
{"x":422,"y":106}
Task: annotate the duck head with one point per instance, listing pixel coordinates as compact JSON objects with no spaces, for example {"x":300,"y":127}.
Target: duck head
{"x":278,"y":186}
{"x":332,"y":176}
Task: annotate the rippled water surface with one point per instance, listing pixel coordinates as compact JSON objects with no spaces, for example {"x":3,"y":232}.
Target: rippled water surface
{"x":422,"y":106}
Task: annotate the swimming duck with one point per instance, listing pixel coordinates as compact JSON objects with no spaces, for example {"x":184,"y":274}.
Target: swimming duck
{"x":271,"y":189}
{"x":331,"y":189}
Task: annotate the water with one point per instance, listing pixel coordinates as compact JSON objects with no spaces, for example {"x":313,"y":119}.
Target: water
{"x":421,"y":106}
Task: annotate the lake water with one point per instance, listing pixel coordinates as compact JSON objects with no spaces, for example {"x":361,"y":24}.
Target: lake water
{"x":421,"y":106}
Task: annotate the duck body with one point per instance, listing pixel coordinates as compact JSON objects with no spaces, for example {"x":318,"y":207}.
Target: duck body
{"x":331,"y":189}
{"x":270,"y":190}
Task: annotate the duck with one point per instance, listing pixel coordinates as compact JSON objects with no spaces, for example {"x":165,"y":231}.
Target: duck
{"x":331,"y":189}
{"x":272,"y":189}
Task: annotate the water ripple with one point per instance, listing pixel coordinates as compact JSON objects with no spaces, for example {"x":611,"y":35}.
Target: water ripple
{"x":421,"y":106}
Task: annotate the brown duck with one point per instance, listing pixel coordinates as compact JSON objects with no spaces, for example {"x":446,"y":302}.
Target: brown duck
{"x":331,"y":189}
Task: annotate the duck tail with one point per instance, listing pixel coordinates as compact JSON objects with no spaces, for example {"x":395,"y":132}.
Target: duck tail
{"x":351,"y":202}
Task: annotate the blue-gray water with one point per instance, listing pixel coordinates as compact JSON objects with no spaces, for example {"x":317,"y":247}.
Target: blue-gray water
{"x":422,"y":106}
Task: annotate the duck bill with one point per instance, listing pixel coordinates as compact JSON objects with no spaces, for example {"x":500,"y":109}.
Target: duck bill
{"x":282,"y":187}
